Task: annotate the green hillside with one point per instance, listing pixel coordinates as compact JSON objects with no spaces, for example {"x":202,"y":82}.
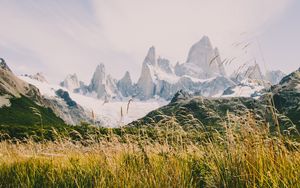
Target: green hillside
{"x":20,"y":112}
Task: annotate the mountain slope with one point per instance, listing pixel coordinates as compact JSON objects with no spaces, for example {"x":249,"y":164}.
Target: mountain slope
{"x":213,"y":113}
{"x":75,"y":107}
{"x":286,"y":97}
{"x":70,"y":82}
{"x":60,"y":102}
{"x":13,"y":86}
{"x":20,"y":112}
{"x":21,"y":99}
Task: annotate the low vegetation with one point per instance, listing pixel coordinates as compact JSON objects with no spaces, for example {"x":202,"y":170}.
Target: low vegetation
{"x":165,"y":155}
{"x":21,"y":112}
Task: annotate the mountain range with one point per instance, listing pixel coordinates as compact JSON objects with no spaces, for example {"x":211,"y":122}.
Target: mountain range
{"x":202,"y":73}
{"x":111,"y":102}
{"x":277,"y":108}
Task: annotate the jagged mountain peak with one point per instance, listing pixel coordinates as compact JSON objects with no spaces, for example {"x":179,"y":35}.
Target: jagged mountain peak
{"x":100,"y":67}
{"x":127,"y":74}
{"x":99,"y":75}
{"x":151,"y":56}
{"x":73,"y":76}
{"x":127,"y":77}
{"x":274,"y":77}
{"x":294,"y":78}
{"x":199,"y":51}
{"x":71,"y":82}
{"x":254,"y":72}
{"x":105,"y":86}
{"x":203,"y":73}
{"x":125,"y":85}
{"x":164,"y":64}
{"x":203,"y":61}
{"x":3,"y":65}
{"x":12,"y":85}
{"x":203,"y":42}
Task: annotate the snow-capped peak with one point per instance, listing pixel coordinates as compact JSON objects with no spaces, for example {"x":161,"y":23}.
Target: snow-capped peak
{"x":150,"y":59}
{"x":125,"y":85}
{"x":203,"y":61}
{"x":103,"y":85}
{"x":98,"y":79}
{"x":126,"y":78}
{"x":254,"y":72}
{"x":70,"y":82}
{"x":164,"y":64}
{"x":198,"y":52}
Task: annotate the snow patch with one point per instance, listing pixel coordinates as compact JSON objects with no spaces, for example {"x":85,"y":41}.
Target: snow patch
{"x":108,"y":113}
{"x":159,"y":74}
{"x":247,"y":88}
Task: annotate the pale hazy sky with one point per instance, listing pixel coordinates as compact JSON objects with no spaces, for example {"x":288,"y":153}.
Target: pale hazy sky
{"x":58,"y":37}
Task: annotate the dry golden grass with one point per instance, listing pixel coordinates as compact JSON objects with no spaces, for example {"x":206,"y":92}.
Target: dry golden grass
{"x":246,"y":155}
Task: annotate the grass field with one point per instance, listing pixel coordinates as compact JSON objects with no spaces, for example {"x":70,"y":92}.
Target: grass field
{"x":162,"y":156}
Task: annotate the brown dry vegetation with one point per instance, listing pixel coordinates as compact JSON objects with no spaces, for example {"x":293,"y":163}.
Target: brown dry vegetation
{"x":246,"y":155}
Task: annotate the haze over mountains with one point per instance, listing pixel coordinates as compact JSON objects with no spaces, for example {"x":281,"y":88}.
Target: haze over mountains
{"x":203,"y":72}
{"x":107,"y":101}
{"x":278,"y":108}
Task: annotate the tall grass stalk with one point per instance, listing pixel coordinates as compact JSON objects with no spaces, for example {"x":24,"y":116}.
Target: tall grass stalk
{"x":247,"y":155}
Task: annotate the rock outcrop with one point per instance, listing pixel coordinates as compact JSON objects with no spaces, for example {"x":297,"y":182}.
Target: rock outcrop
{"x":21,"y":99}
{"x":159,"y":78}
{"x":203,"y":61}
{"x":71,"y":82}
{"x":38,"y":76}
{"x":278,"y":106}
{"x":104,"y":86}
{"x":125,"y":85}
{"x":274,"y":77}
{"x":286,"y":97}
{"x":13,"y":86}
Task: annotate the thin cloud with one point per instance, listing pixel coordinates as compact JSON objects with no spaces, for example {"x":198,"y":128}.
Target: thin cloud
{"x":61,"y":37}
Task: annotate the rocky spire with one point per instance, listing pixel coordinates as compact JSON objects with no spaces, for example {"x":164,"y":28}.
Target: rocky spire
{"x":126,"y":78}
{"x":254,"y":72}
{"x":218,"y":61}
{"x":205,"y":57}
{"x":200,"y":51}
{"x":3,"y":65}
{"x":12,"y":85}
{"x":103,"y":85}
{"x":125,"y":85}
{"x":274,"y":76}
{"x":150,"y":59}
{"x":98,"y":80}
{"x":70,"y":82}
{"x":203,"y":61}
{"x":164,"y":64}
{"x":145,"y":83}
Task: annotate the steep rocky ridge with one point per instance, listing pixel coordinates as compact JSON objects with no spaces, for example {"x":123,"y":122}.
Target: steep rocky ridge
{"x":281,"y":105}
